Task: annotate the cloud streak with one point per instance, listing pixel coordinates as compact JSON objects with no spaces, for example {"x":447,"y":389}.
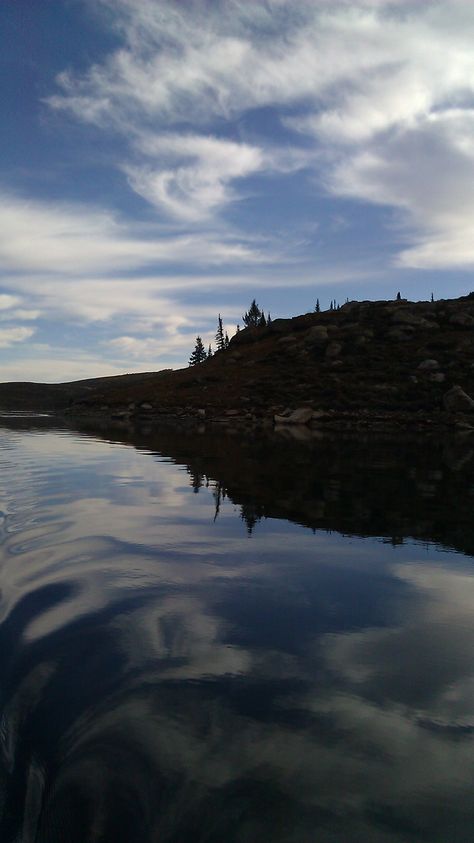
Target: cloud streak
{"x":10,"y":336}
{"x":60,"y":238}
{"x":368,"y":84}
{"x":198,"y":183}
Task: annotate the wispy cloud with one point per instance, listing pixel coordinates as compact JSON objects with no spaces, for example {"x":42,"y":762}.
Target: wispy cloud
{"x":196,"y":180}
{"x":435,"y":198}
{"x":20,"y":314}
{"x":7,"y":301}
{"x":59,"y":365}
{"x":60,"y":238}
{"x":370,"y":83}
{"x":202,"y":60}
{"x":10,"y":336}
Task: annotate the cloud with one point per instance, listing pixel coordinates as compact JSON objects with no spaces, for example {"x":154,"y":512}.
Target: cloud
{"x":10,"y":336}
{"x":169,"y":346}
{"x":61,"y":238}
{"x":154,"y":300}
{"x":435,"y":198}
{"x":219,"y":59}
{"x":20,"y":314}
{"x":383,"y":91}
{"x":385,"y":661}
{"x":47,"y":364}
{"x":198,"y":183}
{"x":148,"y":347}
{"x":7,"y":301}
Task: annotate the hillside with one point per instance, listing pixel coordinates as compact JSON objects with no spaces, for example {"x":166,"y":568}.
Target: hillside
{"x":371,"y":364}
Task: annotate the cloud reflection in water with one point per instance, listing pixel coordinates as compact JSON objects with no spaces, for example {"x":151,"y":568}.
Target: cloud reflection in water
{"x":164,"y":677}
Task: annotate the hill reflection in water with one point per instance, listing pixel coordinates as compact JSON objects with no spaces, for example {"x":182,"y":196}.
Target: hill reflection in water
{"x":170,"y":675}
{"x":409,"y":487}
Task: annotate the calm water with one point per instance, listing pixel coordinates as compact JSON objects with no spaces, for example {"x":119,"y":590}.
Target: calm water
{"x":210,"y":638}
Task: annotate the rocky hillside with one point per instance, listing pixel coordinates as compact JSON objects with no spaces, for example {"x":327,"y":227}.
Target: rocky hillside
{"x":373,"y":364}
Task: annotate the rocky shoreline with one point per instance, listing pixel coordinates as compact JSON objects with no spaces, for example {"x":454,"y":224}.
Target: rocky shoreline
{"x":385,"y":365}
{"x":292,"y":424}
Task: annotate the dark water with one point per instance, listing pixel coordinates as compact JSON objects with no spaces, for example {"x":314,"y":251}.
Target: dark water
{"x":214,"y":639}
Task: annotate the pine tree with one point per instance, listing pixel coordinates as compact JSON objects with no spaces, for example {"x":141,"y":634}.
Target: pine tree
{"x":220,"y":340}
{"x":226,"y":340}
{"x":269,"y":318}
{"x":317,"y":309}
{"x":262,"y":321}
{"x":209,"y":351}
{"x":399,"y":297}
{"x":432,"y":297}
{"x":199,"y":353}
{"x":330,"y":306}
{"x":251,"y":319}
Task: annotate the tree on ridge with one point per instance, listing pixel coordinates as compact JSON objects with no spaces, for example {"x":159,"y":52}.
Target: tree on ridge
{"x":199,"y":353}
{"x":252,"y":317}
{"x":220,"y":338}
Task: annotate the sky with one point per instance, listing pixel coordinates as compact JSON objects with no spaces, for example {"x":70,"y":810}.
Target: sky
{"x":164,"y":161}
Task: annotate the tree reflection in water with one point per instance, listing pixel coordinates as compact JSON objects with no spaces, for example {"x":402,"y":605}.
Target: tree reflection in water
{"x":164,"y":678}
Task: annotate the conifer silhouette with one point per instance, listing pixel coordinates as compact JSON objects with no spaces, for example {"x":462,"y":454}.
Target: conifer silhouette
{"x":252,"y":318}
{"x":199,"y":353}
{"x":220,"y":339}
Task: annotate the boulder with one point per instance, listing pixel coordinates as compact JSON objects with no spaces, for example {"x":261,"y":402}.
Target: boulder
{"x":302,"y":415}
{"x":464,"y":427}
{"x":333,"y":350}
{"x":456,"y":400}
{"x":428,"y":365}
{"x":463,"y":320}
{"x":407,"y":317}
{"x":350,"y":307}
{"x":289,"y":339}
{"x":400,"y":334}
{"x":317,"y":335}
{"x":279,"y":326}
{"x":318,"y":415}
{"x":247,"y":335}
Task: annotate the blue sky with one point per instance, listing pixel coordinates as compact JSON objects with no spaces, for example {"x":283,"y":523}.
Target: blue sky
{"x":163,"y":161}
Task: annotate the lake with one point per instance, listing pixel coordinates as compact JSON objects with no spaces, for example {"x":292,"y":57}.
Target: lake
{"x":215,"y":637}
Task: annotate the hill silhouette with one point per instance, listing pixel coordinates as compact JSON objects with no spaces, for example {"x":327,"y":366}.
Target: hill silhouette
{"x":366,"y":364}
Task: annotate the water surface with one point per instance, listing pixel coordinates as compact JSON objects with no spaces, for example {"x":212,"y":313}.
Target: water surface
{"x":205,"y":637}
